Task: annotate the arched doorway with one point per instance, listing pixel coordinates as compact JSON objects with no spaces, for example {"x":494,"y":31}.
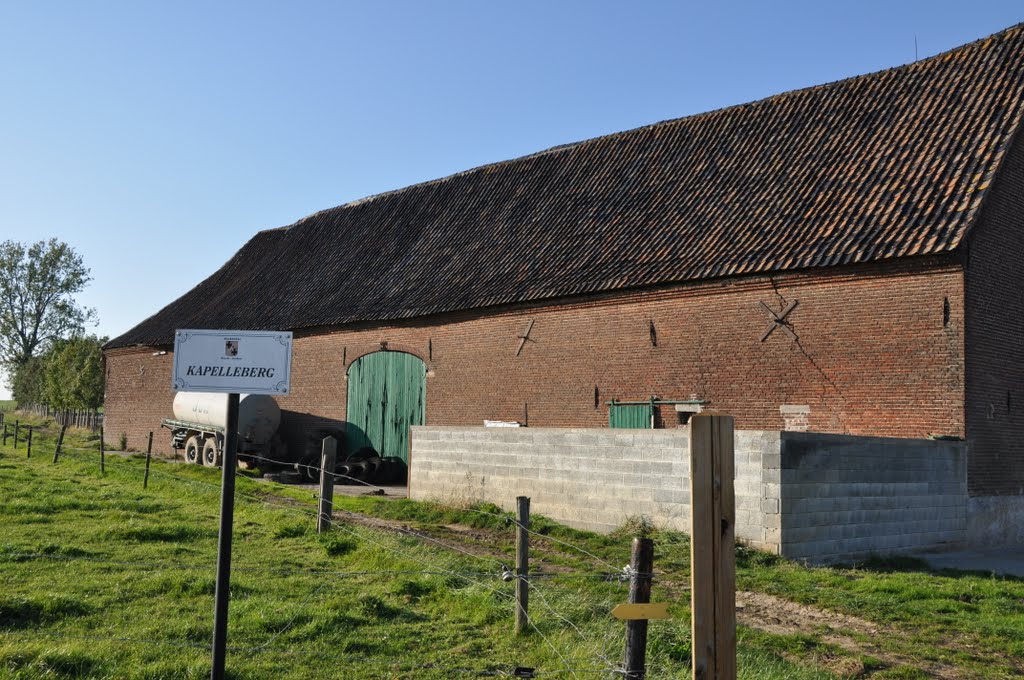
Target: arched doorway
{"x":386,"y":395}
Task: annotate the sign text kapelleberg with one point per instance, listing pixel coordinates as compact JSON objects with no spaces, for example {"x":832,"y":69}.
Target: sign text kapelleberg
{"x":249,"y":362}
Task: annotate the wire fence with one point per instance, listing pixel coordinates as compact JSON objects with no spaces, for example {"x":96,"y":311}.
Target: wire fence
{"x":91,"y":419}
{"x":565,"y":613}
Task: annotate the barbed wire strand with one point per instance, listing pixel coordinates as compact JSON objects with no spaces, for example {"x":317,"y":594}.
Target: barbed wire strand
{"x":485,"y":586}
{"x":291,"y":622}
{"x":15,"y":557}
{"x":503,"y":516}
{"x":546,"y":537}
{"x":533,"y":588}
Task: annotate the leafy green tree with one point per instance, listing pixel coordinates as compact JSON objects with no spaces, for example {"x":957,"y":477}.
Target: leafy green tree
{"x":28,"y":381}
{"x":38,"y":284}
{"x":74,"y":374}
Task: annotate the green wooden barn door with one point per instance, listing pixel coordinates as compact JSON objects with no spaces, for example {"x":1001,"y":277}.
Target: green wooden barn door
{"x":386,"y":395}
{"x":638,"y":416}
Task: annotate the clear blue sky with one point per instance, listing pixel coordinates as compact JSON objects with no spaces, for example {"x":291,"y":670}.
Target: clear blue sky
{"x":157,"y":137}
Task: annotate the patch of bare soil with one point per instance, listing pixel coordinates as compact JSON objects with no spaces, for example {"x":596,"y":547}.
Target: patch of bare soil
{"x":458,"y":538}
{"x":776,"y":615}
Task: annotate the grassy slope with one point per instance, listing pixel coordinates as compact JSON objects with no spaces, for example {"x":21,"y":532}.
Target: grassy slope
{"x":108,"y":600}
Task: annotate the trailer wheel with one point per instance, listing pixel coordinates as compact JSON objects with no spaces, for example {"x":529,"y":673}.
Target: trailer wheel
{"x":357,"y":470}
{"x":309,"y":468}
{"x":193,"y":450}
{"x":373,"y":467}
{"x":361,"y":454}
{"x":211,"y":456}
{"x":341,"y":474}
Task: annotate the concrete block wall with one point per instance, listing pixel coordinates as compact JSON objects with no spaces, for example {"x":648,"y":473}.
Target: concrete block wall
{"x":586,"y":478}
{"x":808,"y":496}
{"x":758,"y":504}
{"x":845,"y":498}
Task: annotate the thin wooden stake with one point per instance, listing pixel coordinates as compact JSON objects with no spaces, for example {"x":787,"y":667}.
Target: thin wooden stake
{"x":103,"y":460}
{"x":522,"y":563}
{"x":641,"y":565}
{"x":712,"y":547}
{"x":328,"y":456}
{"x":149,"y":455}
{"x":60,"y":442}
{"x":29,"y":442}
{"x":17,"y":426}
{"x":5,"y":434}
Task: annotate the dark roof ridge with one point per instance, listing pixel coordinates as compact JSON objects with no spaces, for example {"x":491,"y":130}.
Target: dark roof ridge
{"x":723,"y":110}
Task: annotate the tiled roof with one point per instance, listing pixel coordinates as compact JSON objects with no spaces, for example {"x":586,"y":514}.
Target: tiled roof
{"x":887,"y":165}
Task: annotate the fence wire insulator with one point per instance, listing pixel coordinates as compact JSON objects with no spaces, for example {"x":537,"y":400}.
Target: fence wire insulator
{"x":506,"y":574}
{"x":627,"y":574}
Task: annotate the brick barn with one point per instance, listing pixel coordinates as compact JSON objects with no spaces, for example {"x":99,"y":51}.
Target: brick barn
{"x":847,"y":258}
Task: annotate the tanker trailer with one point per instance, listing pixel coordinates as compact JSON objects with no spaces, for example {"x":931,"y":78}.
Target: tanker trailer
{"x":199,"y":422}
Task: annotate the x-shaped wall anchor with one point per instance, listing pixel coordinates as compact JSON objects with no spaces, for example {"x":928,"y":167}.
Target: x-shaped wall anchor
{"x":778,"y":320}
{"x":524,"y":337}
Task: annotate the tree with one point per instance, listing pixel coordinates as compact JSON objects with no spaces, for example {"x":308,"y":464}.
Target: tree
{"x":37,"y":306}
{"x":28,"y":381}
{"x":74,"y":374}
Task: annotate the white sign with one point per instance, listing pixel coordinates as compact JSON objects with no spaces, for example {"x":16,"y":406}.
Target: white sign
{"x":247,"y":362}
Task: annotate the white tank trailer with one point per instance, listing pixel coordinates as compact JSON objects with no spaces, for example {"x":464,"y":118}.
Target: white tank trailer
{"x":199,"y":421}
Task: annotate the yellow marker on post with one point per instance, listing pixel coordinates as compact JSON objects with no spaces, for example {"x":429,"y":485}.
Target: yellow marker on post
{"x":637,"y":612}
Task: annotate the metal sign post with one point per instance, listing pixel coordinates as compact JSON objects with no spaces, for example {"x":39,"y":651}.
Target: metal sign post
{"x":227,"y":515}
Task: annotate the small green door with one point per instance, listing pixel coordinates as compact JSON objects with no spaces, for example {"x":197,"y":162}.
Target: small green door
{"x":638,"y":416}
{"x":386,"y":395}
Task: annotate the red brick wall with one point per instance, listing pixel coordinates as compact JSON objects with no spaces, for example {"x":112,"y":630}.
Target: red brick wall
{"x":995,"y":336}
{"x":138,"y":397}
{"x":873,"y":357}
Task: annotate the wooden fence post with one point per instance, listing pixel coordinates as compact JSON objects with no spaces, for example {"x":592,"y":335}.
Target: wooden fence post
{"x":642,"y":566}
{"x":712,"y":547}
{"x":328,"y":455}
{"x":522,"y":563}
{"x":29,"y":442}
{"x":149,"y":455}
{"x":17,"y":426}
{"x":103,"y":461}
{"x":60,"y":441}
{"x":5,"y":434}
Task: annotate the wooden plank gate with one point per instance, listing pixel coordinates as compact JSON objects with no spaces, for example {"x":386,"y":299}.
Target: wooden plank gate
{"x":386,"y":395}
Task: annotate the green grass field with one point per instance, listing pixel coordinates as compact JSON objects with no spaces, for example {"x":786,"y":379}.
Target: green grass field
{"x":103,"y":579}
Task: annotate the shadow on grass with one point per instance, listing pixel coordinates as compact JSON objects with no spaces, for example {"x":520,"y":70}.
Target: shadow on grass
{"x":172,"y":533}
{"x":51,"y":664}
{"x":22,"y":613}
{"x":893,"y":564}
